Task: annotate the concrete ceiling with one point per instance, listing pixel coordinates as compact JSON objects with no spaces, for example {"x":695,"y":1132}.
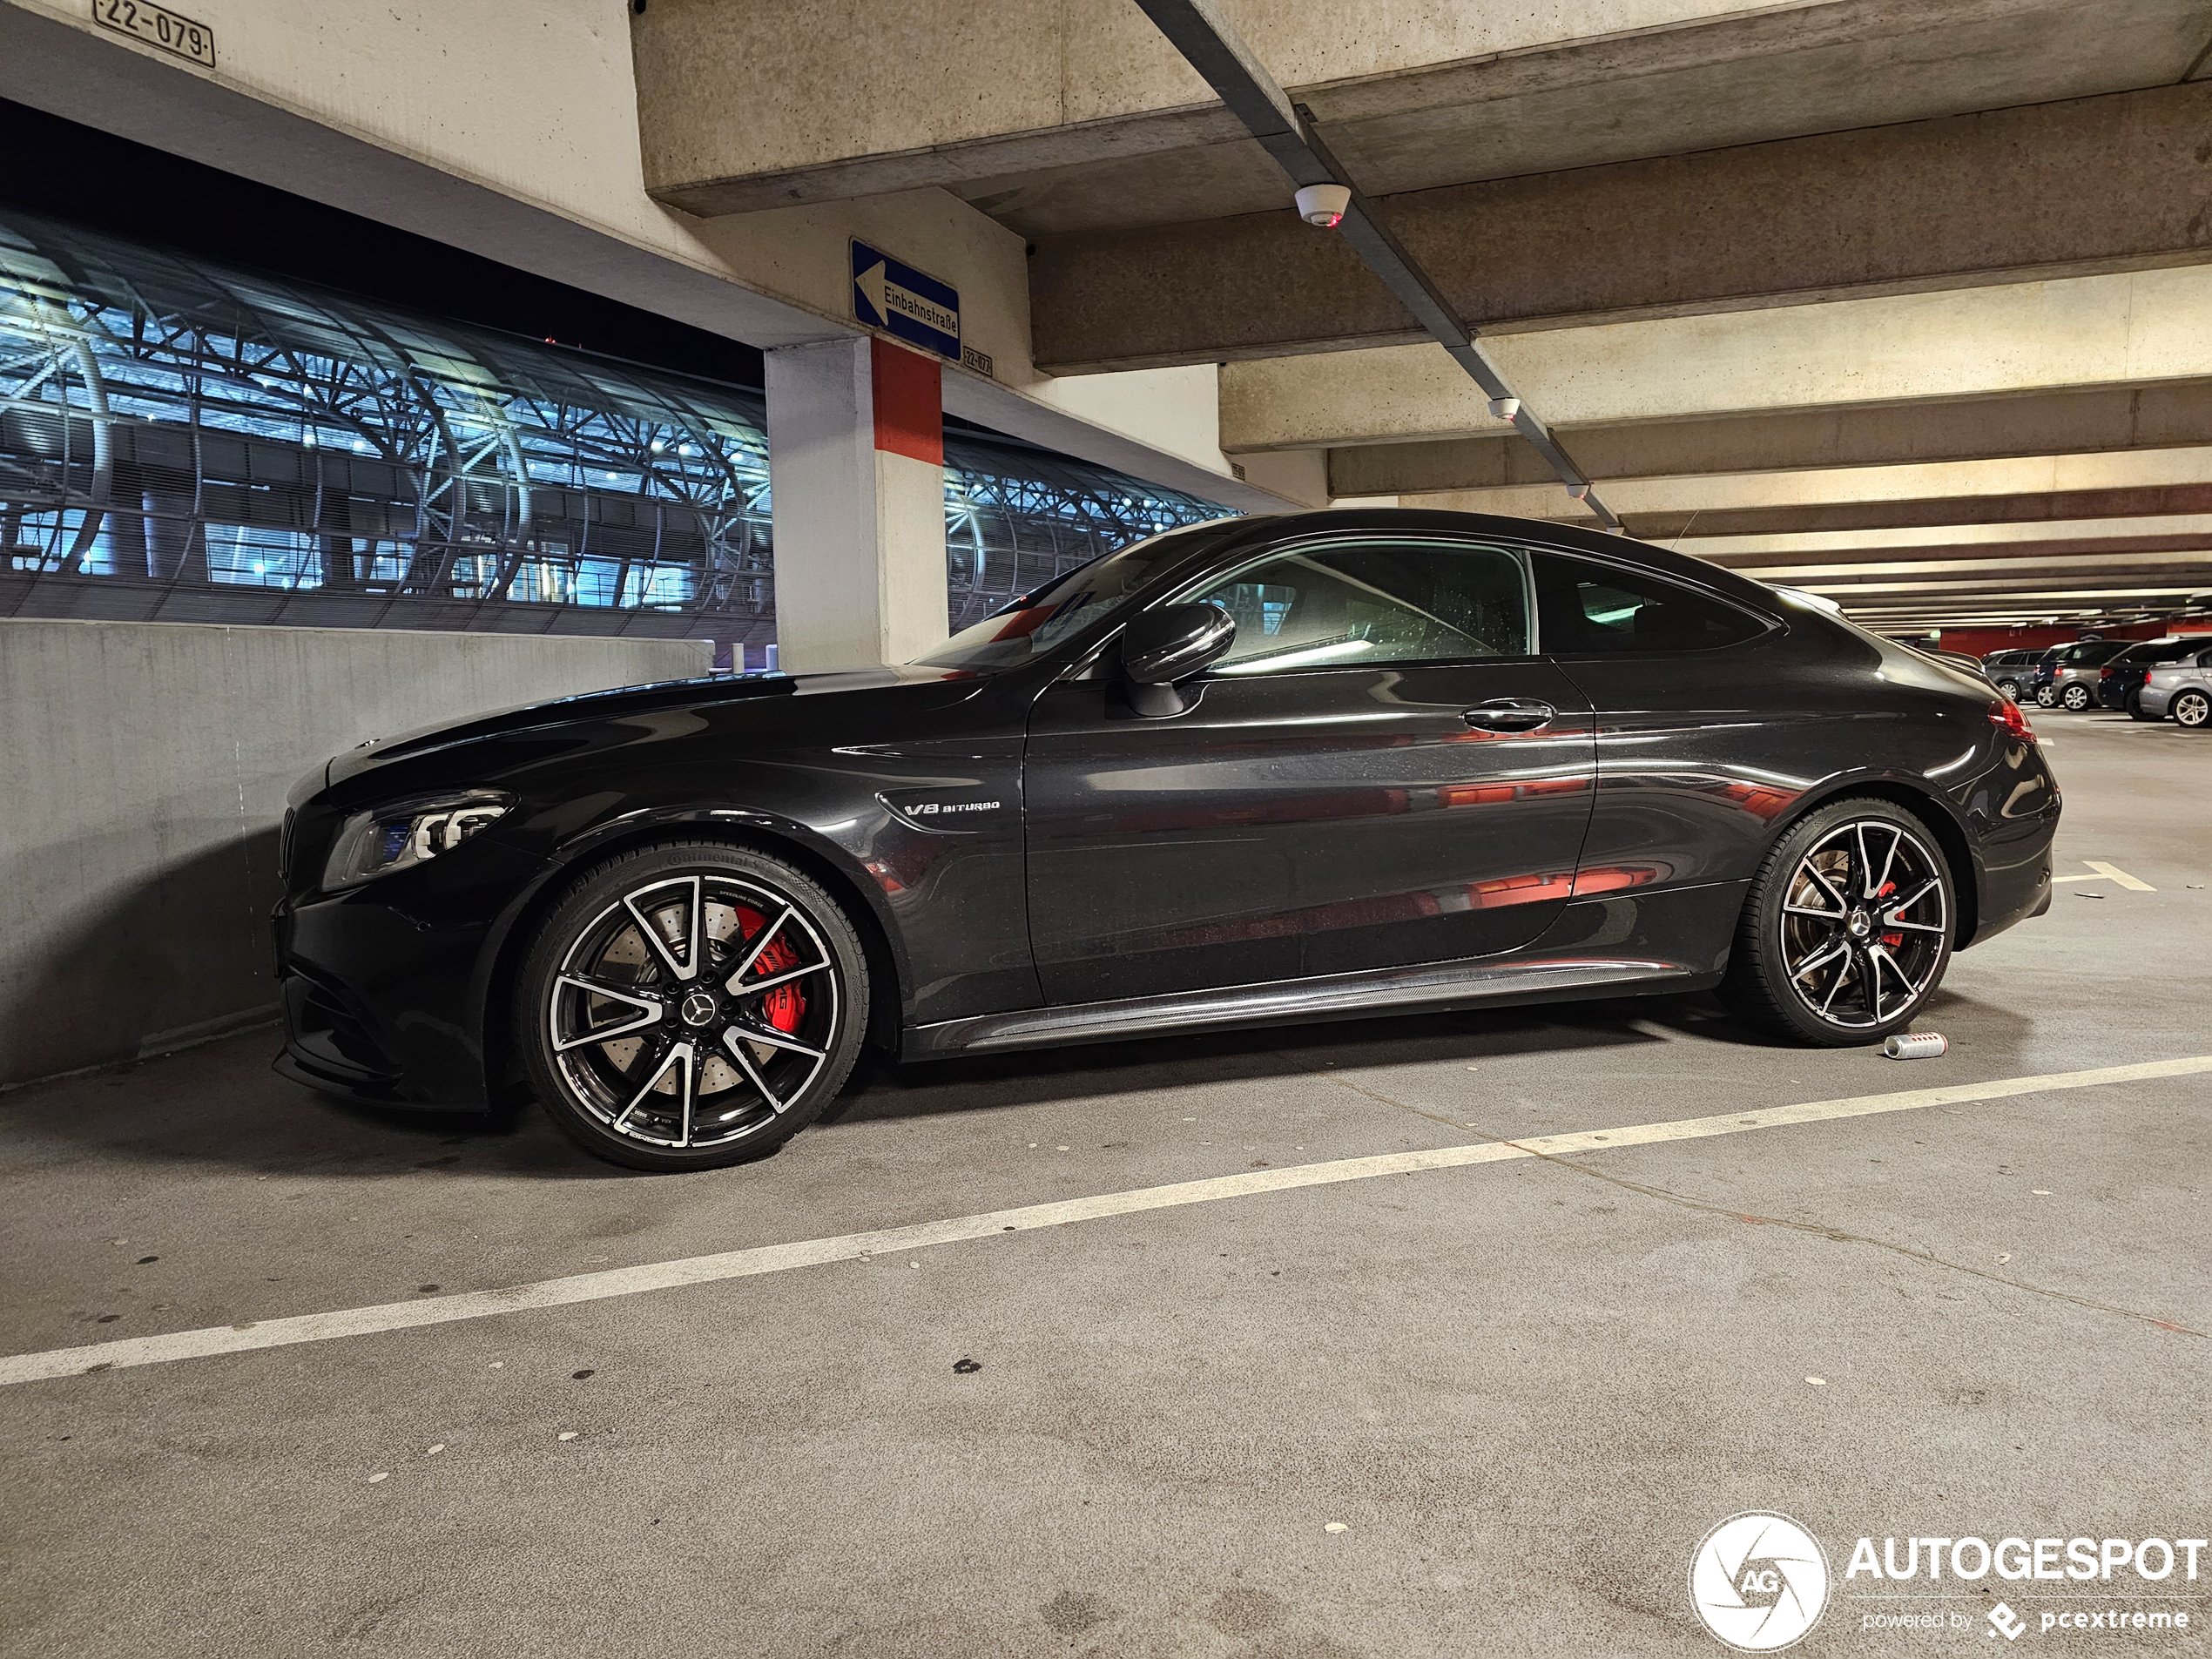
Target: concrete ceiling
{"x":1903,"y":302}
{"x":1786,"y":73}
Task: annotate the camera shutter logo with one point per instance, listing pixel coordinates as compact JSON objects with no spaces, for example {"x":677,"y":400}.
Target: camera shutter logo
{"x":1759,"y":1582}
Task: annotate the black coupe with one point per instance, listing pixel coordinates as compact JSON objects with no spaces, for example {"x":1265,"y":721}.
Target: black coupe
{"x":1264,"y":770}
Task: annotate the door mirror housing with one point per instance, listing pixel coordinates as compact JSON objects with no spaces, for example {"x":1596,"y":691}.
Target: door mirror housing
{"x":1163,"y":646}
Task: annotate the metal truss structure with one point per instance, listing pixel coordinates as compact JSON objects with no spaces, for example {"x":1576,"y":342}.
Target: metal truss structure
{"x":185,"y":442}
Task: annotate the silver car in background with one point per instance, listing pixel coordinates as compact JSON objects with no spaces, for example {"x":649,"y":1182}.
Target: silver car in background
{"x":2072,"y":684}
{"x":2182,"y":689}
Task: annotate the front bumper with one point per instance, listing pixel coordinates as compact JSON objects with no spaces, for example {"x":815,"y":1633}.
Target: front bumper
{"x":385,"y":987}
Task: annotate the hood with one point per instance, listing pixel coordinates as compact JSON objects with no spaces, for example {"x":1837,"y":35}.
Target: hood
{"x":707,"y":691}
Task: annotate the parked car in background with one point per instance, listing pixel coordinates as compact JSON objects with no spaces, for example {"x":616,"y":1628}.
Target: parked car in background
{"x":2036,"y":686}
{"x":2119,"y":682}
{"x":2010,"y":671}
{"x":2181,"y":687}
{"x":2072,"y":681}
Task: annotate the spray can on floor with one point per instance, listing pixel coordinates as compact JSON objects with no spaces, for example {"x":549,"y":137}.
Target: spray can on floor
{"x":1918,"y":1045}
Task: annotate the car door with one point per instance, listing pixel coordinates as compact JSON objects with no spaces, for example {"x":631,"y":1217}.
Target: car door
{"x":1378,"y":772}
{"x":1706,"y":731}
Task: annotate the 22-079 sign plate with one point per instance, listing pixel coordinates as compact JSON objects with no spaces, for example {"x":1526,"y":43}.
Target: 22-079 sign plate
{"x":158,"y":26}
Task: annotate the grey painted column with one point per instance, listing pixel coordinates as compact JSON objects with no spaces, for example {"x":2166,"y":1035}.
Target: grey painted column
{"x":857,"y":480}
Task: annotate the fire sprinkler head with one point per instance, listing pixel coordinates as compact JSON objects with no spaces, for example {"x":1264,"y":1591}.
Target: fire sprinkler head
{"x":1323,"y":204}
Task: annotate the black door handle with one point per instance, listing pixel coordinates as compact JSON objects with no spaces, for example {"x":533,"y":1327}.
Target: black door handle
{"x":1510,"y":714}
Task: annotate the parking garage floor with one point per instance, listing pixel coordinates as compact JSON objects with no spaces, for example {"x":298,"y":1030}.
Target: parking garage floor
{"x":1489,"y":1407}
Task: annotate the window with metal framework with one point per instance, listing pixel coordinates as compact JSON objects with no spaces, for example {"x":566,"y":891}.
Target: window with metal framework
{"x":186,"y":441}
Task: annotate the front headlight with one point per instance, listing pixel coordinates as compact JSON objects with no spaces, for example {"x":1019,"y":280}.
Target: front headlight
{"x":407,"y":833}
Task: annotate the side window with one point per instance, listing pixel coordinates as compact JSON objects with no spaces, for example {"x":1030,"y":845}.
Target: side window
{"x":1585,"y":609}
{"x":1342,"y":604}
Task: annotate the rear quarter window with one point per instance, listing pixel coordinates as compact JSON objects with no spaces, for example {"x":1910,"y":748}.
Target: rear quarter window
{"x":1586,"y":609}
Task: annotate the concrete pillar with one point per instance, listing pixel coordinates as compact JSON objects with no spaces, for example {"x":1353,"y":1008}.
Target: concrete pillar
{"x":856,"y":472}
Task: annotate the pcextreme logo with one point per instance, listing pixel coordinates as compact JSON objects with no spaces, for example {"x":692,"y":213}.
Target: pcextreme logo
{"x":1759,"y":1582}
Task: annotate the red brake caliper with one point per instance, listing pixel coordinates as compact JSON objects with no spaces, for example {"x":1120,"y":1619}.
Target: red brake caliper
{"x":785,"y":1005}
{"x":1893,"y":940}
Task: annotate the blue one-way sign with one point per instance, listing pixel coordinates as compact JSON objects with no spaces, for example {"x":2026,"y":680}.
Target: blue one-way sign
{"x":904,"y":302}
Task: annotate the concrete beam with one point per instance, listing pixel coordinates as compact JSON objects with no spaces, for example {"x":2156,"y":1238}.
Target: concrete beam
{"x":1931,"y":481}
{"x":2038,"y":508}
{"x":2033,"y":576}
{"x":745,"y":107}
{"x":1853,"y":446}
{"x":1935,"y":540}
{"x":1056,"y":118}
{"x":1949,"y":572}
{"x":1957,"y":558}
{"x":2139,"y":330}
{"x":2094,"y":185}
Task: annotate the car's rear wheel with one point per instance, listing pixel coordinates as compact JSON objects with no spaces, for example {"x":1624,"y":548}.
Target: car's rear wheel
{"x":2076,"y":698}
{"x":2010,"y":688}
{"x":2046,"y":697}
{"x":2192,"y":710}
{"x":1847,"y":930}
{"x":691,"y":1004}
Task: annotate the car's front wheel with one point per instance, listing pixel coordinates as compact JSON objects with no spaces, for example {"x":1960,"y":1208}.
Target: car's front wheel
{"x":691,"y":1004}
{"x":2076,"y":697}
{"x":2192,"y":710}
{"x":2137,"y":712}
{"x":1847,"y":930}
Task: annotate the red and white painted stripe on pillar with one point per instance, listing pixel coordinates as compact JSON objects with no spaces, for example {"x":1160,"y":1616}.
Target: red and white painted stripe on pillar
{"x":908,"y":409}
{"x":909,"y":403}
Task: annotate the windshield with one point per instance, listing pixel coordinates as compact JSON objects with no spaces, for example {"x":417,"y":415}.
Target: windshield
{"x":1032,"y":625}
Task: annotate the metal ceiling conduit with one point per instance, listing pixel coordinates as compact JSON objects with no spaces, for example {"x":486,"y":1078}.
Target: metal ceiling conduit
{"x":1286,"y":132}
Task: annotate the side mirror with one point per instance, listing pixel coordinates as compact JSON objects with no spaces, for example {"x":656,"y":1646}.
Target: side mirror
{"x":1163,"y":646}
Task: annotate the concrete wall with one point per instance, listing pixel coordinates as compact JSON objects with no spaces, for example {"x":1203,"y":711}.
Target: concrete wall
{"x":143,"y":771}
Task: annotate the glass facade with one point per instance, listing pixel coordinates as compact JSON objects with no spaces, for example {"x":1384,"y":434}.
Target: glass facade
{"x":184,"y":442}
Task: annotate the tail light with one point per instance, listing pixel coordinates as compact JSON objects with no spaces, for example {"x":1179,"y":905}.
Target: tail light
{"x":2104,"y":673}
{"x":2009,"y":716}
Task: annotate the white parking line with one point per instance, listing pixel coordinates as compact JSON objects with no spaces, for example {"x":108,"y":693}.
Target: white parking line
{"x":2102,"y":872}
{"x":814,"y":1252}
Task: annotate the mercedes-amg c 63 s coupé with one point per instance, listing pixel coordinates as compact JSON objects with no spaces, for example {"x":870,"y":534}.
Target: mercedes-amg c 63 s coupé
{"x":1263,"y":770}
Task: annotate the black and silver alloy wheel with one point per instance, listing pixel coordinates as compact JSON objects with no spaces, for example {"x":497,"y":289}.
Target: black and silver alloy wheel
{"x":2192,"y":710}
{"x":1847,"y":928}
{"x":2076,"y":698}
{"x":691,"y":1005}
{"x":2046,"y":695}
